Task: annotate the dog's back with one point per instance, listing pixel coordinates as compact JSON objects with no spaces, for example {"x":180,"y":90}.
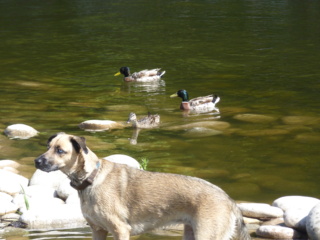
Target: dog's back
{"x":150,"y":200}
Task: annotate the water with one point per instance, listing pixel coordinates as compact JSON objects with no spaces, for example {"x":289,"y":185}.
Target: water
{"x":58,"y":60}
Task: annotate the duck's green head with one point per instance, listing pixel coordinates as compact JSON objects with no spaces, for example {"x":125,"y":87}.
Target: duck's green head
{"x":182,"y":94}
{"x":124,"y":70}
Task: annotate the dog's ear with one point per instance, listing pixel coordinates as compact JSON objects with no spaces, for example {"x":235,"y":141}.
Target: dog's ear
{"x":79,"y":143}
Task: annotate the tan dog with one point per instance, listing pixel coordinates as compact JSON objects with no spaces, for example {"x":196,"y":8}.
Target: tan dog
{"x":126,"y":201}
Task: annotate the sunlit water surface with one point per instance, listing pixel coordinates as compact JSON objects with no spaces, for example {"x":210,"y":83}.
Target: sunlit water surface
{"x":261,"y":57}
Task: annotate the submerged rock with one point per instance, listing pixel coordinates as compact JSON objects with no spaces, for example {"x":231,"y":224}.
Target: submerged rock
{"x":254,"y":118}
{"x":100,"y":125}
{"x":20,"y":131}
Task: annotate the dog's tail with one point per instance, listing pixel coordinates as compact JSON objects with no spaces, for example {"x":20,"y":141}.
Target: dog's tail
{"x":240,"y":232}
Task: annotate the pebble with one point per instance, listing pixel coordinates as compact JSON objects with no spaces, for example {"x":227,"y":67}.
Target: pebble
{"x":260,"y":210}
{"x":12,"y":183}
{"x":100,"y":125}
{"x":198,"y":132}
{"x":296,"y":218}
{"x":301,"y":120}
{"x":20,"y":131}
{"x":123,"y":159}
{"x":254,"y":118}
{"x":279,"y":232}
{"x":295,"y":202}
{"x":313,"y":223}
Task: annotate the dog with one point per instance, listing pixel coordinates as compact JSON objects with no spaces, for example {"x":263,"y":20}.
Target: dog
{"x":125,"y":201}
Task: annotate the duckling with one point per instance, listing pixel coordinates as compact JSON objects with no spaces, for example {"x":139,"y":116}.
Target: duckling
{"x":142,"y":76}
{"x":199,"y":104}
{"x":149,"y":121}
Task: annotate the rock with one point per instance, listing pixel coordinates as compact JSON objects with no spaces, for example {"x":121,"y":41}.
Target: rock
{"x":12,"y":183}
{"x":73,"y":199}
{"x":296,"y":218}
{"x":20,"y":131}
{"x":100,"y":125}
{"x":13,"y":231}
{"x":262,"y":132}
{"x":64,"y":189}
{"x":260,"y":210}
{"x":313,"y":223}
{"x":254,"y":118}
{"x":123,"y":159}
{"x":296,"y":202}
{"x":301,"y":120}
{"x":52,"y":179}
{"x":7,"y":207}
{"x":198,"y":132}
{"x":10,"y":217}
{"x":54,"y":216}
{"x":38,"y":191}
{"x":8,"y":163}
{"x":217,"y":125}
{"x":279,"y":232}
{"x":6,"y":197}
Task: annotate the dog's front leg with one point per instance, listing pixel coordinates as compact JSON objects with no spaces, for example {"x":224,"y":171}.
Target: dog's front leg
{"x":99,"y":234}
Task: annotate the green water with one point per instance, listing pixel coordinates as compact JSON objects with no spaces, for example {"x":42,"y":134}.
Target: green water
{"x":57,"y":64}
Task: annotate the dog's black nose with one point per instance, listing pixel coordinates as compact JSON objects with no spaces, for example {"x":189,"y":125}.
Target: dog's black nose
{"x":38,"y":161}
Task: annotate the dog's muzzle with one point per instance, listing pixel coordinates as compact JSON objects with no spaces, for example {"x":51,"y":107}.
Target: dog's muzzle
{"x":43,"y":164}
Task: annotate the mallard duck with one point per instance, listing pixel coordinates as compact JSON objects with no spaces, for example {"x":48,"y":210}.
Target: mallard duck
{"x":149,"y":121}
{"x":142,"y":76}
{"x":199,"y":104}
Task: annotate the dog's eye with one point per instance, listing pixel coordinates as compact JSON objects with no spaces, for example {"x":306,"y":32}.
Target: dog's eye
{"x":60,"y":151}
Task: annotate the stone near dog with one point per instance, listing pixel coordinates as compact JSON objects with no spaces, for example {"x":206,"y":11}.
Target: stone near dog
{"x":279,"y":232}
{"x":100,"y":125}
{"x":20,"y":131}
{"x":123,"y":159}
{"x":8,"y":163}
{"x":10,"y":217}
{"x":296,"y":218}
{"x":260,"y":210}
{"x":73,"y":199}
{"x":52,"y":179}
{"x":313,"y":223}
{"x":7,"y":207}
{"x":275,"y":221}
{"x":54,"y":216}
{"x":64,"y":189}
{"x":38,"y":191}
{"x":254,"y":118}
{"x":12,"y":183}
{"x":296,"y":202}
{"x":5,"y":196}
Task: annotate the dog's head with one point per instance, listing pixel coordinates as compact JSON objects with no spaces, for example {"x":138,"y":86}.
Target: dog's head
{"x":64,"y":151}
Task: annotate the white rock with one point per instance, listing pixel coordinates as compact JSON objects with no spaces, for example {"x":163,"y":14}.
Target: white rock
{"x":52,"y":179}
{"x":123,"y":159}
{"x":7,"y":207}
{"x":279,"y":232}
{"x":260,"y":210}
{"x":20,"y":131}
{"x":38,"y":191}
{"x":57,"y":216}
{"x":73,"y":199}
{"x":6,"y":197}
{"x":100,"y":125}
{"x":8,"y":163}
{"x":12,"y":183}
{"x":64,"y":189}
{"x":296,"y":218}
{"x":313,"y":223}
{"x":296,"y":202}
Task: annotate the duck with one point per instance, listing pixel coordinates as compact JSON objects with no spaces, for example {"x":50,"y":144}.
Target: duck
{"x":200,"y":104}
{"x":149,"y":121}
{"x":142,"y":76}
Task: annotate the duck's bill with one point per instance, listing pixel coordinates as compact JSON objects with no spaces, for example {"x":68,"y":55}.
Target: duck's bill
{"x":117,"y":74}
{"x":174,"y":95}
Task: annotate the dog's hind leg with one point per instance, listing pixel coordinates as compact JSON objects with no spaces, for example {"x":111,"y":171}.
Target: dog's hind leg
{"x":188,"y":233}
